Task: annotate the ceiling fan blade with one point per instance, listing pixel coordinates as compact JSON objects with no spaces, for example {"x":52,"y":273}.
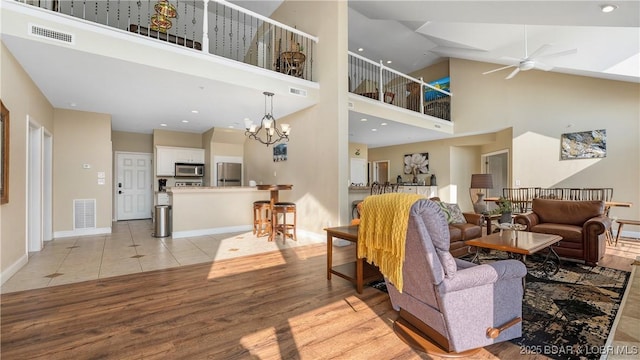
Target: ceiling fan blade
{"x":540,"y":50}
{"x":513,"y":73}
{"x":561,"y":53}
{"x":498,"y":69}
{"x":542,"y":66}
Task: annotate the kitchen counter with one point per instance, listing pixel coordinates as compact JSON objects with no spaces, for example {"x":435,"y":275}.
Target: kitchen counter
{"x":204,"y":210}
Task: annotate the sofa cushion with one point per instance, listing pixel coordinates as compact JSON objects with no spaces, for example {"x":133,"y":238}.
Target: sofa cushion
{"x":456,"y":214}
{"x":467,"y":231}
{"x":445,"y":211}
{"x":569,"y":233}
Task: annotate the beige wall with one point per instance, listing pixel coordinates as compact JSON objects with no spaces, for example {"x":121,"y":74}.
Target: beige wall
{"x":526,"y":116}
{"x":81,"y":138}
{"x":540,"y":107}
{"x":451,"y":160}
{"x":132,"y":142}
{"x":317,"y":164}
{"x":23,"y":100}
{"x":177,"y":138}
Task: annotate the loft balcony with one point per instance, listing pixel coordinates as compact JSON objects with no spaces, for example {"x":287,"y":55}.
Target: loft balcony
{"x":213,"y":27}
{"x":386,"y":85}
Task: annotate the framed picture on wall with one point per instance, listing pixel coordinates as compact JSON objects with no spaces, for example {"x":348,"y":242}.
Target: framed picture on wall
{"x":417,"y":163}
{"x":4,"y":155}
{"x":280,"y":152}
{"x":583,"y":145}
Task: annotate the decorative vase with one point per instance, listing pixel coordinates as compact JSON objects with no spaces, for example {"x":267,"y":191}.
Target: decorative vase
{"x":433,"y":180}
{"x":480,"y":206}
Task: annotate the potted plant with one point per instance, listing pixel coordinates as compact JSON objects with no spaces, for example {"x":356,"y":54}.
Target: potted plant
{"x":504,"y":208}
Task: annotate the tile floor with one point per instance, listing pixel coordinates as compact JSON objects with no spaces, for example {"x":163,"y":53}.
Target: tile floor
{"x":130,"y":248}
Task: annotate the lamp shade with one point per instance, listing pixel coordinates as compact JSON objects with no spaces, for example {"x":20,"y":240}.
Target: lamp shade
{"x":481,"y":181}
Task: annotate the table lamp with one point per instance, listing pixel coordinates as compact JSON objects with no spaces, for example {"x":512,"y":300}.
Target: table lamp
{"x":480,"y":181}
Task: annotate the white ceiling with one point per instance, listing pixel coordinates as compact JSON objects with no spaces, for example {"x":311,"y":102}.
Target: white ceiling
{"x":412,"y":34}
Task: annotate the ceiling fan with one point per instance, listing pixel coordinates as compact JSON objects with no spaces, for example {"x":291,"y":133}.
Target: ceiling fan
{"x":529,"y":62}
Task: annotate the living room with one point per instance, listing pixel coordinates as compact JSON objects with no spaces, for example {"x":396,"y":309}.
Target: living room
{"x":525,"y":117}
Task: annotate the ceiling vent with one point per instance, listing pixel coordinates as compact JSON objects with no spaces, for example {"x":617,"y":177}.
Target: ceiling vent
{"x":84,"y":213}
{"x":46,"y":33}
{"x":298,"y":92}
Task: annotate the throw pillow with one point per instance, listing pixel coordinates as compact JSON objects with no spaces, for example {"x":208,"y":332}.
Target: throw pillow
{"x":445,"y":210}
{"x":456,"y":214}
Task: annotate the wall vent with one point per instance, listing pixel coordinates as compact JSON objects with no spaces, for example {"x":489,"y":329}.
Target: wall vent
{"x":46,"y":33}
{"x":84,"y":214}
{"x":298,"y":92}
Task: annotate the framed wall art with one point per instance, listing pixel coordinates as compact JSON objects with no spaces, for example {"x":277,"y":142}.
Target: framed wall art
{"x":4,"y":154}
{"x":583,"y":145}
{"x":280,"y":152}
{"x":417,"y":163}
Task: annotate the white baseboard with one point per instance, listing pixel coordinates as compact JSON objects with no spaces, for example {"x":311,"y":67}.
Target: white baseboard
{"x":81,"y":232}
{"x":13,"y":268}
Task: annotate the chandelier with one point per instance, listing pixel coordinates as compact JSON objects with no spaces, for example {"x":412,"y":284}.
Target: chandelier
{"x":267,"y":132}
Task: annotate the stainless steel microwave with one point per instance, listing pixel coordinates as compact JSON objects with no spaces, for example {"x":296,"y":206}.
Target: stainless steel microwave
{"x":189,"y":170}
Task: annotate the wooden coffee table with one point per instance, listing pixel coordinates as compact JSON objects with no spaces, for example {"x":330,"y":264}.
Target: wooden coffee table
{"x":521,"y":243}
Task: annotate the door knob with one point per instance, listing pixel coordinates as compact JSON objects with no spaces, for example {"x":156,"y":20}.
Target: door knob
{"x":119,"y":191}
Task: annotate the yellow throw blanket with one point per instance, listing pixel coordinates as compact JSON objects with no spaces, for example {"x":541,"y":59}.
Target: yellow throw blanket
{"x":382,"y":232}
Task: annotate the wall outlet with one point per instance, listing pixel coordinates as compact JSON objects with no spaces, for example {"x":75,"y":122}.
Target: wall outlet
{"x":274,"y":173}
{"x":517,"y":182}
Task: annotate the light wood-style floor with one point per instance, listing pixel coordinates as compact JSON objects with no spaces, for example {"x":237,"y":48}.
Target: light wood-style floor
{"x":276,"y":305}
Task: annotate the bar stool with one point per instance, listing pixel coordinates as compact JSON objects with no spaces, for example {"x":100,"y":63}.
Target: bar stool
{"x":283,"y":227}
{"x":261,"y":217}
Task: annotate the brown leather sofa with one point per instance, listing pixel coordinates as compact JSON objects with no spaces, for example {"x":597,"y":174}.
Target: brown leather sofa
{"x":582,"y":225}
{"x":459,"y":233}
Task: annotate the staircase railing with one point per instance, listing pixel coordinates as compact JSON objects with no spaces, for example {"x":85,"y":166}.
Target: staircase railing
{"x":379,"y":82}
{"x":228,"y":30}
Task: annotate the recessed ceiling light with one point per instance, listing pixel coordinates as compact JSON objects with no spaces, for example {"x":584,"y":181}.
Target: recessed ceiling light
{"x":194,"y":111}
{"x":389,"y":61}
{"x":231,"y":126}
{"x":607,"y":8}
{"x":360,"y":49}
{"x":185,"y":121}
{"x":374,"y":129}
{"x":73,"y":104}
{"x":383,"y":124}
{"x":363,"y":119}
{"x":163,"y":124}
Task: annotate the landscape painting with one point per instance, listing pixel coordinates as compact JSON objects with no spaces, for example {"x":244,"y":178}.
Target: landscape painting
{"x":584,"y":145}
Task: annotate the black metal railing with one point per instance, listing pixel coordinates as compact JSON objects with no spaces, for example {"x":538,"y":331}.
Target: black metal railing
{"x":228,"y":30}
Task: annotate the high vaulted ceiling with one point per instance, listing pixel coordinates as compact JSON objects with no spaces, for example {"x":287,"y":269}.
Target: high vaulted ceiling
{"x":411,"y":34}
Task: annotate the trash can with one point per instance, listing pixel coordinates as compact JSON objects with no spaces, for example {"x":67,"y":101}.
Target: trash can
{"x":162,"y":221}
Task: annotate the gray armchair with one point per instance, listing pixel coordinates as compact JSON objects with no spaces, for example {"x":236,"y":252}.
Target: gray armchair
{"x":455,"y":304}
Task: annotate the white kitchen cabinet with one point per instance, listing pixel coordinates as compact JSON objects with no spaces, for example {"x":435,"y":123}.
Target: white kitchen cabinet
{"x":167,"y":156}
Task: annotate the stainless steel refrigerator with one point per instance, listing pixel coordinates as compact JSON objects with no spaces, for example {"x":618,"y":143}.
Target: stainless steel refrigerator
{"x":229,"y":174}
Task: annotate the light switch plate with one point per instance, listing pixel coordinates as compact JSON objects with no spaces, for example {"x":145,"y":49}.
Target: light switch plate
{"x":101,"y":175}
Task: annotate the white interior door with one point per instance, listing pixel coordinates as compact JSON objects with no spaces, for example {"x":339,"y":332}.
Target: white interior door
{"x":35,"y":240}
{"x":133,"y":186}
{"x":497,"y":164}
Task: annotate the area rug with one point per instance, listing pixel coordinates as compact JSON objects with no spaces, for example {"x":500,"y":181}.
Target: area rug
{"x":567,"y":315}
